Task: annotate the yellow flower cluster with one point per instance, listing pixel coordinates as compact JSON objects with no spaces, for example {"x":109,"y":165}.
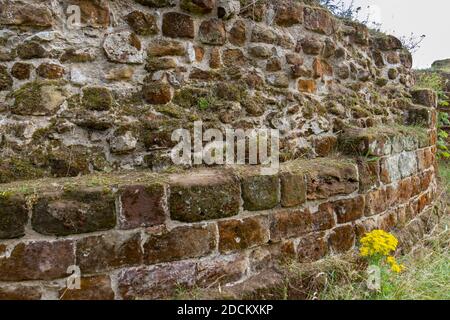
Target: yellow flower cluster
{"x":378,"y":242}
{"x":381,"y":243}
{"x":395,"y":267}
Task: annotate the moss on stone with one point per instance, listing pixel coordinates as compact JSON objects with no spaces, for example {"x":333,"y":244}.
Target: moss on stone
{"x":97,"y":98}
{"x":39,"y":98}
{"x":18,"y":169}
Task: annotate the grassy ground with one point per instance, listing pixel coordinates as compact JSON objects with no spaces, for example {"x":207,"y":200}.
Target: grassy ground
{"x":427,"y":276}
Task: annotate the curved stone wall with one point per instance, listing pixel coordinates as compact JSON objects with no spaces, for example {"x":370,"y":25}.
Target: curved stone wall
{"x":86,"y":116}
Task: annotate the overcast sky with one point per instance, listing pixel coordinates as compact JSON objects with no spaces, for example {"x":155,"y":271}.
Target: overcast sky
{"x":401,"y":17}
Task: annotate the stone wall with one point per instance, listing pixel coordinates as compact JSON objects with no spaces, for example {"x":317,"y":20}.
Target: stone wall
{"x":108,"y":94}
{"x":139,"y":235}
{"x":80,"y":108}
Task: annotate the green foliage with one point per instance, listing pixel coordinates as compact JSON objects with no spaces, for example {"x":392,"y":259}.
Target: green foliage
{"x":203,"y":103}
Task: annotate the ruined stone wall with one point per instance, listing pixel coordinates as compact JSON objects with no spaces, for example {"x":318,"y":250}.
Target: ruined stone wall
{"x":107,"y":95}
{"x":76,"y":105}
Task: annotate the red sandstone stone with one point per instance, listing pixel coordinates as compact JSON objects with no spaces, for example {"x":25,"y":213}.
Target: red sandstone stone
{"x":156,"y":282}
{"x":213,"y":272}
{"x":290,"y":224}
{"x":178,"y":25}
{"x":293,"y":189}
{"x":108,"y":251}
{"x":318,"y":20}
{"x":375,"y":202}
{"x":20,"y":292}
{"x":312,"y":247}
{"x":36,"y":260}
{"x":142,"y":206}
{"x":204,"y":196}
{"x":180,"y":243}
{"x":241,"y":234}
{"x":349,"y":209}
{"x":342,"y":238}
{"x":92,"y":288}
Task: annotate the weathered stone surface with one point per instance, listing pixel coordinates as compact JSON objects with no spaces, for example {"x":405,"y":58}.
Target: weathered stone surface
{"x":13,"y":216}
{"x":97,"y":98}
{"x":92,"y":288}
{"x":20,"y":292}
{"x":369,"y":174}
{"x":6,"y":81}
{"x":321,"y":68}
{"x":124,"y":47}
{"x":387,"y":42}
{"x":310,"y":45}
{"x":260,"y":52}
{"x":260,"y":192}
{"x":157,"y":3}
{"x":289,"y":14}
{"x":156,"y":64}
{"x":159,"y":48}
{"x":342,"y":238}
{"x":203,"y":196}
{"x":307,"y":86}
{"x":38,"y":98}
{"x":318,"y":20}
{"x":215,"y":59}
{"x":233,"y":57}
{"x":93,"y":13}
{"x":375,"y":202}
{"x":293,"y":189}
{"x":31,"y":50}
{"x":425,"y":97}
{"x":19,"y":13}
{"x":425,"y":159}
{"x":197,"y":6}
{"x":364,"y":143}
{"x":228,"y":9}
{"x":142,"y":23}
{"x":73,"y":213}
{"x":142,"y":206}
{"x":238,"y":33}
{"x":50,"y":71}
{"x":333,"y":179}
{"x":77,"y":55}
{"x":390,"y":171}
{"x":36,"y":260}
{"x":273,"y":65}
{"x":264,"y":35}
{"x":123,"y":143}
{"x":349,"y":210}
{"x":178,"y":25}
{"x":156,"y":282}
{"x":212,"y":32}
{"x":21,"y":71}
{"x":180,"y":243}
{"x":278,"y":80}
{"x":324,"y":145}
{"x":109,"y":251}
{"x":243,"y":233}
{"x":290,"y":224}
{"x":221,"y":270}
{"x":323,"y":217}
{"x":312,"y":247}
{"x":407,"y":164}
{"x":157,"y":92}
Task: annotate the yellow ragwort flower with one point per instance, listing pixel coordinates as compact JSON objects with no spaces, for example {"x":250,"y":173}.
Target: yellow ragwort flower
{"x":377,"y":242}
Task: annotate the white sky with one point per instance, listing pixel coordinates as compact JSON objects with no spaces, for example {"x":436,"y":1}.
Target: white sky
{"x":401,"y":17}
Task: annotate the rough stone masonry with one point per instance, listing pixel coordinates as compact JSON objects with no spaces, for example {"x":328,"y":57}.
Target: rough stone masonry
{"x":86,"y":116}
